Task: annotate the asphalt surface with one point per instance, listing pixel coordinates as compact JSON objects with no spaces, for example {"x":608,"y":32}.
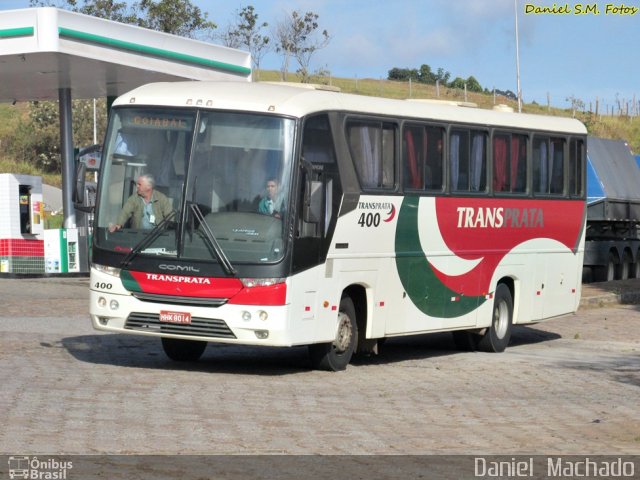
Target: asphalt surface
{"x":566,"y":386}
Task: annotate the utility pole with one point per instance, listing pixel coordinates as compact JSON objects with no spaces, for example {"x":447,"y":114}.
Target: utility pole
{"x":515,"y":5}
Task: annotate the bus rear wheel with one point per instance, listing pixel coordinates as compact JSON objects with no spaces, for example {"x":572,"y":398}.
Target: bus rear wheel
{"x":497,"y":336}
{"x":183,"y":350}
{"x":336,"y":355}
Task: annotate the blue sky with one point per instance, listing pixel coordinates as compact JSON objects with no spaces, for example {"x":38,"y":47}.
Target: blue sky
{"x":585,"y":56}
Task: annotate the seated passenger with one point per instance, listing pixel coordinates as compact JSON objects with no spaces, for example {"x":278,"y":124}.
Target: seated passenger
{"x":272,"y":204}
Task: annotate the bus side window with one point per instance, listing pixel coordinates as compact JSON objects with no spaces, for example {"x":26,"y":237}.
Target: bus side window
{"x":372,"y":147}
{"x":468,"y":160}
{"x":319,"y":165}
{"x":412,"y":158}
{"x":434,"y":157}
{"x":422,"y":158}
{"x":501,"y":163}
{"x":318,"y":150}
{"x":509,"y":163}
{"x":540,"y":164}
{"x":548,"y":165}
{"x":557,"y":166}
{"x":519,"y":161}
{"x":575,"y":167}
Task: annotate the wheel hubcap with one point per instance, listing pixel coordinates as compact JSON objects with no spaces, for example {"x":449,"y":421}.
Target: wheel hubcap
{"x":343,"y":337}
{"x":501,"y":319}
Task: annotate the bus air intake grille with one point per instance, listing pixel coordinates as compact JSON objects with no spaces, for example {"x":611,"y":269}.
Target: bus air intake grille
{"x":192,"y":301}
{"x":199,"y":327}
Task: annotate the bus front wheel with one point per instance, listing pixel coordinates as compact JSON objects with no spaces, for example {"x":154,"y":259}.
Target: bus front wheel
{"x":336,"y":355}
{"x":497,"y":336}
{"x":183,"y":350}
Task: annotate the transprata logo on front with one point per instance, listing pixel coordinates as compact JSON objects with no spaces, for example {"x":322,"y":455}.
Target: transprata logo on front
{"x":36,"y":469}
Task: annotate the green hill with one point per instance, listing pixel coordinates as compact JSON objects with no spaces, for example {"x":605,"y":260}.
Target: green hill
{"x":613,"y":127}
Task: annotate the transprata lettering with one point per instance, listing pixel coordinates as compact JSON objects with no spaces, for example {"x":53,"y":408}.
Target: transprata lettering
{"x":500,"y":217}
{"x":374,"y":205}
{"x":178,"y":279}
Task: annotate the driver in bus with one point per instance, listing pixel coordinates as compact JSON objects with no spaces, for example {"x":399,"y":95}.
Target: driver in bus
{"x":146,"y":208}
{"x":272,"y":203}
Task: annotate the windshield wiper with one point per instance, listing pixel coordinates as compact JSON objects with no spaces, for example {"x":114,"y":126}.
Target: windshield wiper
{"x":147,"y":240}
{"x":222,"y":257}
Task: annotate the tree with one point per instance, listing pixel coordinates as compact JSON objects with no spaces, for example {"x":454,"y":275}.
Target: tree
{"x":297,"y":36}
{"x":179,"y":17}
{"x":283,"y":34}
{"x":576,"y":104}
{"x":402,"y":74}
{"x":506,"y":93}
{"x":36,"y":139}
{"x":457,"y":83}
{"x":473,"y":85}
{"x":443,"y":76}
{"x":109,"y":9}
{"x":247,"y":33}
{"x":425,"y":75}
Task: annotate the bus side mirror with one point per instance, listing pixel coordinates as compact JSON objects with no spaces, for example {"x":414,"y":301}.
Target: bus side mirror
{"x":313,"y":202}
{"x":78,"y":191}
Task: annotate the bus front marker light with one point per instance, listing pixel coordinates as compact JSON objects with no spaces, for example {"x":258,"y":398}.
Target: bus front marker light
{"x":102,"y":302}
{"x":246,"y":316}
{"x":262,"y":315}
{"x":262,"y":334}
{"x":114,"y":305}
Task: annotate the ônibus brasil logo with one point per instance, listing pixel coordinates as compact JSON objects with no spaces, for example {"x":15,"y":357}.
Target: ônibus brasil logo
{"x":38,"y":468}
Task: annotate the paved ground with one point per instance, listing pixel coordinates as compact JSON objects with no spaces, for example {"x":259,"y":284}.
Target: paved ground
{"x":568,"y":386}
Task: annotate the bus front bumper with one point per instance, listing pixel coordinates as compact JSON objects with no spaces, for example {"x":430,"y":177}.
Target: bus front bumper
{"x":234,"y":324}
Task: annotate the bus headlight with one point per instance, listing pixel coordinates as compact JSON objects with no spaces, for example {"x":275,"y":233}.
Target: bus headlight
{"x":113,"y":271}
{"x":246,"y":316}
{"x":262,"y":315}
{"x":114,"y":305}
{"x":261,"y":282}
{"x":102,"y":302}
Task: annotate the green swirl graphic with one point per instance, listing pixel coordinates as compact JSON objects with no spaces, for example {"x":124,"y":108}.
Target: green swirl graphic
{"x":420,"y":282}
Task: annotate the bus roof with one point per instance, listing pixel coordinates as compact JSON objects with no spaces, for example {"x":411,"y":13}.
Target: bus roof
{"x":304,"y":99}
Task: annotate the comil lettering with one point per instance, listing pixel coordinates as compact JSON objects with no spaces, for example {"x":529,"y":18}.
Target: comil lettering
{"x":500,"y":217}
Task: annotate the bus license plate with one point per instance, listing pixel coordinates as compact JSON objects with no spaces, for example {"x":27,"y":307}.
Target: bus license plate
{"x":182,"y":318}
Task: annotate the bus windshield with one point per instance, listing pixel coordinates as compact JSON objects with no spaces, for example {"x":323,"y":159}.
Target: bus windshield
{"x":204,"y":186}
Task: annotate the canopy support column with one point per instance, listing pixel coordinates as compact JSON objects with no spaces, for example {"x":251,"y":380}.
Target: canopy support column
{"x":67,"y":157}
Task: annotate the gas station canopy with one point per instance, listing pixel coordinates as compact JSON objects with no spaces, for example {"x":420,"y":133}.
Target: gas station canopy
{"x":44,"y":50}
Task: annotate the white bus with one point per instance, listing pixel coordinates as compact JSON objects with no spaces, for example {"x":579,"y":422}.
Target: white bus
{"x":300,"y":216}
